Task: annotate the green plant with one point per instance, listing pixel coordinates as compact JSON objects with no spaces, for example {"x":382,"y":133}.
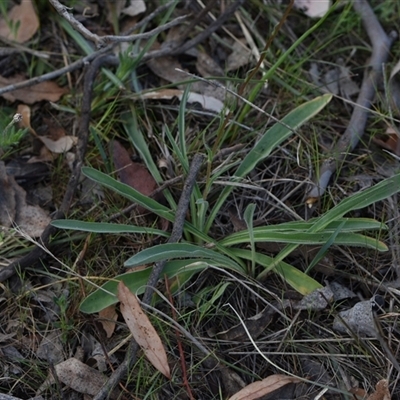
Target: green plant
{"x":10,"y":135}
{"x":199,"y":250}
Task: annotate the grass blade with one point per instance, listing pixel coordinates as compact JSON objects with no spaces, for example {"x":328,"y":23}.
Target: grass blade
{"x":103,"y":227}
{"x":271,"y":139}
{"x":248,"y":218}
{"x":347,"y":225}
{"x":180,"y":250}
{"x":309,"y":238}
{"x":298,"y":280}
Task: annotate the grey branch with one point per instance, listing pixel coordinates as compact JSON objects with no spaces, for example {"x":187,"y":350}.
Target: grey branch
{"x":101,"y":41}
{"x":381,"y":44}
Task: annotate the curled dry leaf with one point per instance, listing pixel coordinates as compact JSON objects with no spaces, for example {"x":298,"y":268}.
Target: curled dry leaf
{"x":21,"y":24}
{"x":391,"y":141}
{"x":107,"y":318}
{"x":62,"y":145}
{"x":25,"y":112}
{"x":381,"y":391}
{"x":142,"y":330}
{"x":42,"y":91}
{"x":268,"y":385}
{"x":79,"y":377}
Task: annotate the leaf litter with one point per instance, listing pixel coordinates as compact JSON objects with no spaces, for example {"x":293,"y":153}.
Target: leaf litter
{"x":21,"y":23}
{"x":142,"y":330}
{"x":313,"y":308}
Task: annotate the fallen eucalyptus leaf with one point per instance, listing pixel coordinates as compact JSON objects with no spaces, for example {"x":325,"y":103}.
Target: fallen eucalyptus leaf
{"x":142,"y":330}
{"x":260,"y":388}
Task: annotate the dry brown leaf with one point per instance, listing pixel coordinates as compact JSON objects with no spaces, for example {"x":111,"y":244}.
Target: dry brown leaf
{"x":107,"y":318}
{"x":142,"y":330}
{"x":312,"y":8}
{"x":79,"y":377}
{"x":51,"y":347}
{"x":381,"y":391}
{"x":28,"y":23}
{"x":358,"y":393}
{"x":61,"y":145}
{"x":25,"y":111}
{"x":389,"y":142}
{"x":132,"y":173}
{"x":31,"y":220}
{"x":54,"y":130}
{"x":167,"y":68}
{"x":207,"y":66}
{"x":42,"y":91}
{"x":45,"y":155}
{"x":257,"y":389}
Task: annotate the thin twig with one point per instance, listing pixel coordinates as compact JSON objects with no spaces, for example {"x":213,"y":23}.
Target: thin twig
{"x":176,"y":234}
{"x":178,"y":335}
{"x":38,"y":251}
{"x":177,"y":229}
{"x":87,"y":59}
{"x":381,"y":44}
{"x":180,"y":49}
{"x":150,"y":55}
{"x":55,"y":74}
{"x":101,"y":41}
{"x":78,"y":26}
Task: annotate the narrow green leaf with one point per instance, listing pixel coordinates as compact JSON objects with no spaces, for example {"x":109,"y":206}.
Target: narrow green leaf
{"x":128,"y":192}
{"x":322,"y":251}
{"x":271,"y":139}
{"x":217,"y":292}
{"x":248,"y":218}
{"x":382,"y":190}
{"x":136,"y":281}
{"x":298,"y":280}
{"x":320,"y":238}
{"x":139,"y":142}
{"x":347,"y":225}
{"x":280,"y":132}
{"x":149,"y":204}
{"x":103,"y":227}
{"x":180,"y":250}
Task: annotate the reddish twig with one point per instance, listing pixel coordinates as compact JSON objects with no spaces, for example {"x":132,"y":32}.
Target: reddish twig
{"x":176,"y":234}
{"x":179,"y":343}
